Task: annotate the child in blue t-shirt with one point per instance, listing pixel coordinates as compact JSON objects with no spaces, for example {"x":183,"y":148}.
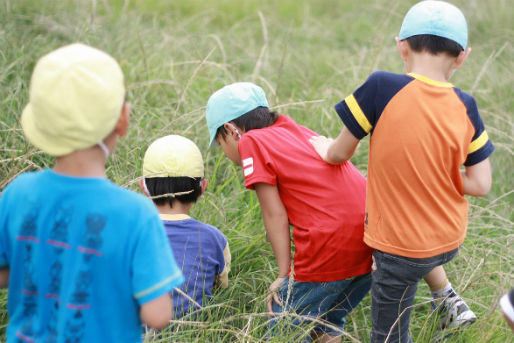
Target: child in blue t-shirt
{"x":173,"y":177}
{"x":81,"y":256}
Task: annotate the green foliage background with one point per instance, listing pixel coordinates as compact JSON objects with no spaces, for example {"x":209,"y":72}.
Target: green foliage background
{"x":307,"y":55}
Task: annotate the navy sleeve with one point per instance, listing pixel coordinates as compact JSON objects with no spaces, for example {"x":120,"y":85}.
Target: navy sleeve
{"x":481,"y":146}
{"x":361,"y":110}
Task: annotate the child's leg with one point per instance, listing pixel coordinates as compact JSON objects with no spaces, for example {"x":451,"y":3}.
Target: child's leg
{"x":330,"y":301}
{"x":437,"y":279}
{"x":393,"y":288}
{"x":349,"y":297}
{"x":457,"y":312}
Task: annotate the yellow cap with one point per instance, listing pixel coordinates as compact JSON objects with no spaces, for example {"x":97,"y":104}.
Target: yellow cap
{"x":76,"y":96}
{"x":173,"y":156}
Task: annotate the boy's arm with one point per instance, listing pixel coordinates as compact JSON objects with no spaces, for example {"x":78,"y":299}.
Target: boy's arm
{"x":277,"y":228}
{"x":476,"y":179}
{"x":158,"y":312}
{"x":335,"y":151}
{"x":4,"y":277}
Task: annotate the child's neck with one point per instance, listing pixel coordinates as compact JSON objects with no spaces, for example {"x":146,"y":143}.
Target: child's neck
{"x":88,"y":162}
{"x":178,"y":208}
{"x":436,"y":67}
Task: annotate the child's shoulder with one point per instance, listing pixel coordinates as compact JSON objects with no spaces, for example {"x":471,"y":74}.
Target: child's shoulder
{"x":210,"y":229}
{"x":26,"y":181}
{"x":129,"y":199}
{"x":383,"y":76}
{"x":31,"y":176}
{"x":466,"y":98}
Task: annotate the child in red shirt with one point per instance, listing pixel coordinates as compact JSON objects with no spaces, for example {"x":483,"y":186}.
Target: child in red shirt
{"x":323,"y":203}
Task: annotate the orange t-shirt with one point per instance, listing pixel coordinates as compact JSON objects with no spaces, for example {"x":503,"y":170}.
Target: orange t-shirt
{"x":422,"y":132}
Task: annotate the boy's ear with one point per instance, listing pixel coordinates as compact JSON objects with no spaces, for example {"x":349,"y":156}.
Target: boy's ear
{"x":204,"y":184}
{"x":459,"y":61}
{"x":403,"y":48}
{"x":143,"y":187}
{"x":233,"y":130}
{"x":123,"y":121}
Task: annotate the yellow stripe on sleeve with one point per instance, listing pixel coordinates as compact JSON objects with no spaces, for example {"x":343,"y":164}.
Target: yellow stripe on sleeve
{"x":478,"y":143}
{"x":357,"y":113}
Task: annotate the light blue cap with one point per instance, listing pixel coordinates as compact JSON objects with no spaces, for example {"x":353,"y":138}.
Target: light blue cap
{"x":231,"y":102}
{"x":438,"y":18}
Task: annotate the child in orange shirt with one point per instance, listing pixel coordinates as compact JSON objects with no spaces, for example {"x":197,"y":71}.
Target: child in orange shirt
{"x":423,"y":130}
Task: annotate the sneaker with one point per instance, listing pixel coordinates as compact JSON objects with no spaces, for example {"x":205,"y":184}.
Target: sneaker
{"x":453,"y":312}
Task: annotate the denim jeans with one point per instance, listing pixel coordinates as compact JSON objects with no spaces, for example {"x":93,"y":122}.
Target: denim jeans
{"x":393,"y":288}
{"x":329,"y":301}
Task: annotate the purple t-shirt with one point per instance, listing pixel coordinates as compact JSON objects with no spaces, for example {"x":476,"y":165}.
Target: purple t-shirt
{"x":198,"y":249}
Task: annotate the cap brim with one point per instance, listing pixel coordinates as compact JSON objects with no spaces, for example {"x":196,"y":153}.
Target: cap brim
{"x":33,"y":134}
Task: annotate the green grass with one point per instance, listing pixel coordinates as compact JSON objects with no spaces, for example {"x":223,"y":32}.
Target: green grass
{"x":307,"y":55}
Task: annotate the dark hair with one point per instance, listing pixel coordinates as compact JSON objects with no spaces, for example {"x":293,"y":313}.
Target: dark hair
{"x":159,"y":186}
{"x":255,"y":119}
{"x":434,"y":45}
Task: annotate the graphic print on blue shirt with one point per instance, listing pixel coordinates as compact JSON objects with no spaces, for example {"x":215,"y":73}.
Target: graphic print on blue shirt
{"x":59,"y":241}
{"x":28,"y":234}
{"x":90,"y":248}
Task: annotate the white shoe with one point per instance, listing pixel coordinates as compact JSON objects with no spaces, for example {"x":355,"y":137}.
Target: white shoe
{"x":454,"y":313}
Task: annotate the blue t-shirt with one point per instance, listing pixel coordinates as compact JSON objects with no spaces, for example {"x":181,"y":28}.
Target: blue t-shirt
{"x":84,"y":255}
{"x":198,"y":249}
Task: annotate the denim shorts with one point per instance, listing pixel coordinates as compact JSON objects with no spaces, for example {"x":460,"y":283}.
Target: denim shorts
{"x":394,"y":286}
{"x":328,"y":301}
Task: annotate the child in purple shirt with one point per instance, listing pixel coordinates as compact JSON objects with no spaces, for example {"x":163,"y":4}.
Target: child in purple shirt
{"x":173,"y":178}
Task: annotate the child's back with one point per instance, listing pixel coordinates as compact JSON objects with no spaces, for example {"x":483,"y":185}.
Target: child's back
{"x":80,"y":250}
{"x":420,"y":139}
{"x":199,"y":251}
{"x":324,"y":203}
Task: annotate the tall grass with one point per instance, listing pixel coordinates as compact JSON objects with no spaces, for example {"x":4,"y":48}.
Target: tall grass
{"x":307,"y":55}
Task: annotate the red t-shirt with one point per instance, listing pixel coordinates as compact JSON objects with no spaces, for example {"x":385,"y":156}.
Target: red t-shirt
{"x":325,"y":203}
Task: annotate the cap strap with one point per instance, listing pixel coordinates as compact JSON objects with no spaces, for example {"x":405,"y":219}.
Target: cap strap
{"x":173,"y":195}
{"x":104,"y":148}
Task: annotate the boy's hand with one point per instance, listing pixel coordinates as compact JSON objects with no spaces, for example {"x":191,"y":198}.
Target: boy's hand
{"x":321,"y":144}
{"x":335,"y":151}
{"x":273,"y":293}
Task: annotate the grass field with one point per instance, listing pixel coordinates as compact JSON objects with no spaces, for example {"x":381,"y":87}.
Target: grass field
{"x":307,"y":55}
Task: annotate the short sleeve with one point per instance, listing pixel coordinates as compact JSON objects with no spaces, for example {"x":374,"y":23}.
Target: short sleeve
{"x":358,"y":110}
{"x":225,"y":260}
{"x":221,"y":245}
{"x":154,"y":270}
{"x":256,"y":162}
{"x":480,"y":146}
{"x":361,"y":110}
